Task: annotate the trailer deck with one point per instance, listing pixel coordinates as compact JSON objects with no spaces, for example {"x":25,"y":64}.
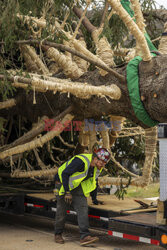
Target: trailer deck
{"x":120,"y":218}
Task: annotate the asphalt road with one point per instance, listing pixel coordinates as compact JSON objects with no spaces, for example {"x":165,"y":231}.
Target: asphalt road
{"x":36,"y":233}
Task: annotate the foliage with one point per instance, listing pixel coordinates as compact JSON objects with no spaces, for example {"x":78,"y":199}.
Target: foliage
{"x":2,"y":121}
{"x":129,"y":151}
{"x":137,"y":192}
{"x":147,"y":5}
{"x":6,"y":89}
{"x":12,"y":30}
{"x":122,"y":189}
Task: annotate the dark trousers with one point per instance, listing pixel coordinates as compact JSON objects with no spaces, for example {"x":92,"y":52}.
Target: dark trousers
{"x":79,"y":203}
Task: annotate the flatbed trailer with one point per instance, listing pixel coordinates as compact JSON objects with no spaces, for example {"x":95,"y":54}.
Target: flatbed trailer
{"x":131,"y":223}
{"x":116,"y":217}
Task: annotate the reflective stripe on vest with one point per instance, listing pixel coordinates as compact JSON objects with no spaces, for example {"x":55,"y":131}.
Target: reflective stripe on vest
{"x":71,"y":179}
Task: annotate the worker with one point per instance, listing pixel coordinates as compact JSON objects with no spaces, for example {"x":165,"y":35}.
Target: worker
{"x":80,"y":149}
{"x":74,"y":181}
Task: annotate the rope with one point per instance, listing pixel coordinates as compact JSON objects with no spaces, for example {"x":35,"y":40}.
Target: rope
{"x":34,"y":173}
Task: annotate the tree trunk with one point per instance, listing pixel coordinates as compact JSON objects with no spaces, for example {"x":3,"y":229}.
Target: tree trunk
{"x":152,"y":87}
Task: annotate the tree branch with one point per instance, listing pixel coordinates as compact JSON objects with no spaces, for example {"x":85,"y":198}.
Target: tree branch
{"x":35,"y":131}
{"x":101,"y":64}
{"x":8,"y":103}
{"x":87,"y":24}
{"x":38,"y":142}
{"x":104,"y":14}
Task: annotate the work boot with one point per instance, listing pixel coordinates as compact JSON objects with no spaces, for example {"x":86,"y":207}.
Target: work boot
{"x":87,"y":240}
{"x":59,"y":239}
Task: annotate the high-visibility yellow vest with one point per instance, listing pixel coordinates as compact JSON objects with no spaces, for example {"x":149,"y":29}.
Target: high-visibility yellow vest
{"x":78,"y":177}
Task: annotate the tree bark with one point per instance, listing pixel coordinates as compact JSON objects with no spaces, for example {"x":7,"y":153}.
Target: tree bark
{"x":153,"y":88}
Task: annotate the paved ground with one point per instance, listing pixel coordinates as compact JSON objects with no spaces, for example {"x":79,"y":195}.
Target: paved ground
{"x":31,"y":233}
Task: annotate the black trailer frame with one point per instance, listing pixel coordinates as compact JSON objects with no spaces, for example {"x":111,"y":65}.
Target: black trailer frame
{"x":141,"y":228}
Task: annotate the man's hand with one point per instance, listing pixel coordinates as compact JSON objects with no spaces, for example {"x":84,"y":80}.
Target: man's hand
{"x":68,"y":198}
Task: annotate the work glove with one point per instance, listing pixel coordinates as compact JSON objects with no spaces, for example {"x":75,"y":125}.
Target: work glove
{"x":56,"y":191}
{"x":68,"y":197}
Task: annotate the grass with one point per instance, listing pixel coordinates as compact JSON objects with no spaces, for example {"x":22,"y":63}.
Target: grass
{"x":137,"y":192}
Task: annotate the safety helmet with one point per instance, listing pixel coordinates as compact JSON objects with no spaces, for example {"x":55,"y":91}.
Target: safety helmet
{"x":102,"y":154}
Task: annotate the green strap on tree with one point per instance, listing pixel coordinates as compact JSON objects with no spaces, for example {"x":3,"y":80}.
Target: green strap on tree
{"x":126,"y":4}
{"x":134,"y":92}
{"x":133,"y":79}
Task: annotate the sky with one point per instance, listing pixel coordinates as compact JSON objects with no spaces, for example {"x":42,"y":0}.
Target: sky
{"x":161,"y":2}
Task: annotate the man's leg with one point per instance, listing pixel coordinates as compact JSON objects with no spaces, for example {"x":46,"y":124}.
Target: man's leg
{"x":81,"y":207}
{"x":60,"y":218}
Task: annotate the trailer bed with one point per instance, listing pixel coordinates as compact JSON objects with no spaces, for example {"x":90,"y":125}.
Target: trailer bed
{"x":111,"y":203}
{"x":112,"y":217}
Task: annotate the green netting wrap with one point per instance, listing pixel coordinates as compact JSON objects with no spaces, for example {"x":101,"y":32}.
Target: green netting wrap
{"x":150,"y":44}
{"x":134,"y":93}
{"x":133,"y":78}
{"x":126,"y":4}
